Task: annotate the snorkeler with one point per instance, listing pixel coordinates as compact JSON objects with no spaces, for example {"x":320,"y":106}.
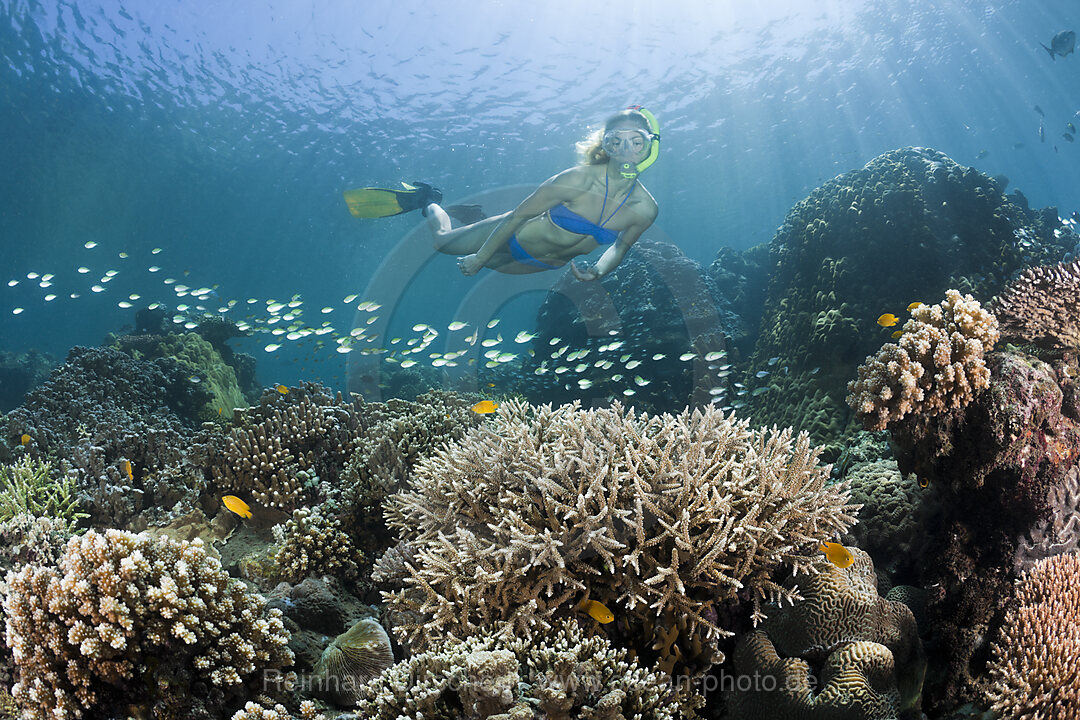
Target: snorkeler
{"x":598,"y":203}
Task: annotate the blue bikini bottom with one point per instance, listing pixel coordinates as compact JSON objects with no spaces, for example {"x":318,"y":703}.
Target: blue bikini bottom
{"x":522,"y":256}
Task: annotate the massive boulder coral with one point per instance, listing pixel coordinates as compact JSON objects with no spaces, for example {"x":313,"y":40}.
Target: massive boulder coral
{"x":937,"y":364}
{"x":1042,"y":306}
{"x":874,"y":661}
{"x":1035,"y":672}
{"x":129,"y":618}
{"x":312,"y":544}
{"x":560,"y":674}
{"x":282,"y":449}
{"x":660,"y":518}
{"x":890,"y":522}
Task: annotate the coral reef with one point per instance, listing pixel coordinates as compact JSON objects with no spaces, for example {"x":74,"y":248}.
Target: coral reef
{"x":280,"y":451}
{"x":311,"y":543}
{"x":355,"y":657}
{"x":257,"y":711}
{"x":905,"y":227}
{"x":870,"y":645}
{"x":1034,"y":671}
{"x":561,"y":674}
{"x":1042,"y":306}
{"x":397,"y":434}
{"x":124,"y":611}
{"x":543,"y":508}
{"x":655,"y":305}
{"x":937,"y":364}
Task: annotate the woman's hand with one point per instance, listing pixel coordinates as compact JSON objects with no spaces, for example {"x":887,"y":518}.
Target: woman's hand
{"x":586,"y":275}
{"x":470,"y":264}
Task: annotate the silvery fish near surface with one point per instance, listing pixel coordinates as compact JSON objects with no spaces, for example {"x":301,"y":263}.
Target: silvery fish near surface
{"x":1061,"y":44}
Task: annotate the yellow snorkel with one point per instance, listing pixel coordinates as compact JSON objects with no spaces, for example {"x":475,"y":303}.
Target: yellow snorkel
{"x":630,"y":170}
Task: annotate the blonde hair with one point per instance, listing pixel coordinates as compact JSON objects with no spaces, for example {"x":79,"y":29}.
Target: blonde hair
{"x":591,"y":149}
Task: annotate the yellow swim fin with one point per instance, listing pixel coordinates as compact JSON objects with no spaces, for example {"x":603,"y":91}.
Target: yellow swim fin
{"x":371,"y":202}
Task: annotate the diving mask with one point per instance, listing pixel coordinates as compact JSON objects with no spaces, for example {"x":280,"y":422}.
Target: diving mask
{"x":626,"y":143}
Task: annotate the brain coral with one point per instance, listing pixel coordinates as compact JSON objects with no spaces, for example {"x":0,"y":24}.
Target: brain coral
{"x":542,"y":508}
{"x":888,"y":527}
{"x":936,"y":364}
{"x":122,"y":613}
{"x":1035,"y":671}
{"x":871,"y":645}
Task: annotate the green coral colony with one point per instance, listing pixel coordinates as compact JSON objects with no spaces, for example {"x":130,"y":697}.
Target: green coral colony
{"x":793,"y":498}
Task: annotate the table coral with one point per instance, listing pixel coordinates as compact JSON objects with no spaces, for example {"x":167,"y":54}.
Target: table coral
{"x":936,"y":364}
{"x":120,"y":611}
{"x":545,"y":507}
{"x":1035,"y":671}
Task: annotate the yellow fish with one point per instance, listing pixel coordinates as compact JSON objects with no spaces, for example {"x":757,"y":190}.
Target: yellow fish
{"x":126,"y":467}
{"x":897,"y":333}
{"x":237,"y":506}
{"x":283,"y":389}
{"x":24,"y":440}
{"x":913,"y":305}
{"x":837,"y":554}
{"x":597,"y":611}
{"x":887,"y":320}
{"x":485,"y":407}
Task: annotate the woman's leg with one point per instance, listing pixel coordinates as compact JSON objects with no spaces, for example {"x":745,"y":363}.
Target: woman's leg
{"x":464,"y":240}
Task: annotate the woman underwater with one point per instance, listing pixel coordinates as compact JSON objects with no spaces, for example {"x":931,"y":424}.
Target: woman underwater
{"x":600,"y":202}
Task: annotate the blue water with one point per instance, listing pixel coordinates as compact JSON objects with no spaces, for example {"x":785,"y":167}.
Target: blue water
{"x":225,"y":135}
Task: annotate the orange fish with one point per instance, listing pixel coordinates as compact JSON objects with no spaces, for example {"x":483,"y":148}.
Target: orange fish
{"x":913,"y":305}
{"x":126,"y":467}
{"x":887,"y":320}
{"x":597,"y":611}
{"x":283,"y":389}
{"x":24,"y":440}
{"x":485,"y":407}
{"x":897,"y":333}
{"x":837,"y":554}
{"x":237,"y":506}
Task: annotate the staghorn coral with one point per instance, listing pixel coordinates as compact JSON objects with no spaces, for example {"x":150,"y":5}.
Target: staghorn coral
{"x":870,"y":645}
{"x":558,"y":675}
{"x":122,"y":611}
{"x":1042,"y":306}
{"x":283,"y":448}
{"x":311,"y":543}
{"x":26,"y":488}
{"x":545,"y":507}
{"x":936,"y":364}
{"x":1034,"y":672}
{"x":352,"y":659}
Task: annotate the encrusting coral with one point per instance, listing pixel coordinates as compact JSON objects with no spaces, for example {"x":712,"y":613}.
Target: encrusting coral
{"x":1042,"y":306}
{"x":124,"y":611}
{"x":655,"y":517}
{"x":1035,"y":671}
{"x":936,"y":364}
{"x":312,"y":543}
{"x":558,"y":675}
{"x":874,"y":662}
{"x":1056,"y":533}
{"x":283,"y":448}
